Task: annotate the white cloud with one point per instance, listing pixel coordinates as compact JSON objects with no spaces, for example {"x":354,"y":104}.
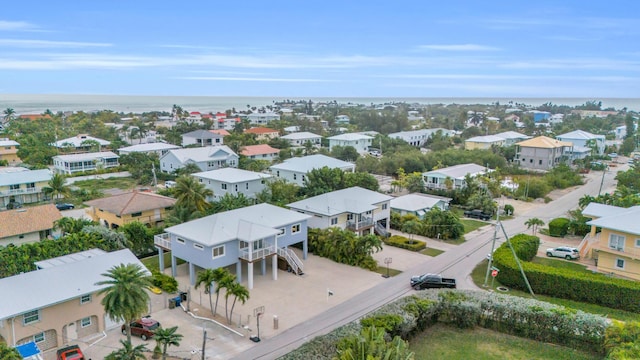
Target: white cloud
{"x":260,"y":79}
{"x":458,"y":47}
{"x":25,"y":43}
{"x":16,"y":26}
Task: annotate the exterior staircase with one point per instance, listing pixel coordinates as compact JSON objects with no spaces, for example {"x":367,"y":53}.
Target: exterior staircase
{"x":381,"y":230}
{"x":297,"y":267}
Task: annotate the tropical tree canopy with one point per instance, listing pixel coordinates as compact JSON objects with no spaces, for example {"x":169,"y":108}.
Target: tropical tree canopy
{"x":191,"y":194}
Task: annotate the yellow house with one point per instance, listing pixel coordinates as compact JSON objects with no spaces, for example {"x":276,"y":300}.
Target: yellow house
{"x":27,"y":225}
{"x":616,"y":247}
{"x":23,"y":186}
{"x":59,"y":302}
{"x":145,"y":207}
{"x":483,"y":142}
{"x":9,"y":151}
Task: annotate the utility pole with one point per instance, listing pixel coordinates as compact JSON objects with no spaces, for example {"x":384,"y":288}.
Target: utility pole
{"x":604,"y":171}
{"x":493,"y":247}
{"x":204,"y":341}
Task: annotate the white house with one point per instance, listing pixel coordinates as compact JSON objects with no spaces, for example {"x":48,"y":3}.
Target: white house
{"x":512,"y":137}
{"x":201,"y":138}
{"x":81,"y":142}
{"x":295,"y":169}
{"x":360,"y":142}
{"x":418,"y":204}
{"x":418,"y":138}
{"x":69,"y":164}
{"x":149,"y":148}
{"x":342,"y":120}
{"x":437,"y":179}
{"x":207,"y":158}
{"x":360,"y":210}
{"x":298,"y":139}
{"x":262,"y":118}
{"x":260,"y":152}
{"x":232,"y":181}
{"x":584,"y":140}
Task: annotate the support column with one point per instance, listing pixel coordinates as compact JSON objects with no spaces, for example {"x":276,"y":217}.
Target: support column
{"x":250,"y":275}
{"x":305,"y":249}
{"x":239,"y":271}
{"x":174,"y":270}
{"x":192,"y":274}
{"x":263,"y":266}
{"x":274,"y":266}
{"x":161,"y":259}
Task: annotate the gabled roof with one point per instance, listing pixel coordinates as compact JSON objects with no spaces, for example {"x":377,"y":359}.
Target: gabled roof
{"x":202,"y":134}
{"x":231,"y":175}
{"x":300,"y":136}
{"x":624,"y":221}
{"x":24,"y":177}
{"x":200,"y":154}
{"x":132,"y":202}
{"x":580,"y":134}
{"x":78,"y":140}
{"x":258,"y":150}
{"x":351,"y":200}
{"x":416,"y":202}
{"x":247,"y":223}
{"x":149,"y":147}
{"x":42,"y":288}
{"x":351,"y":137}
{"x":459,"y":171}
{"x":308,"y":163}
{"x":87,"y":156}
{"x":260,"y":130}
{"x":486,"y":139}
{"x":7,"y":142}
{"x":222,"y":132}
{"x":512,"y":135}
{"x":544,"y":142}
{"x":601,"y":210}
{"x":28,"y":220}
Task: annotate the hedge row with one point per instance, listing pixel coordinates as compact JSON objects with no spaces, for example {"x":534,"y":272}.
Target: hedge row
{"x":404,"y":243}
{"x":591,"y":288}
{"x":559,"y":227}
{"x":410,"y":316}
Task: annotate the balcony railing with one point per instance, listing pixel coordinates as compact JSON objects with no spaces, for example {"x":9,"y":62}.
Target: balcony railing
{"x":21,"y":191}
{"x":145,"y":219}
{"x":163,"y":241}
{"x":257,"y":254}
{"x":627,"y":251}
{"x":357,"y":225}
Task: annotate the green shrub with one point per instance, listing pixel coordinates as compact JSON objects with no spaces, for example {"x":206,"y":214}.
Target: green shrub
{"x":559,"y":227}
{"x":165,"y":282}
{"x":389,"y":322}
{"x":622,"y":340}
{"x":509,"y":210}
{"x":404,"y":243}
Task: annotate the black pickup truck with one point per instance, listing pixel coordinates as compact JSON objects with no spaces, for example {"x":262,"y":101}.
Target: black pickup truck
{"x":432,"y":281}
{"x":477,"y":214}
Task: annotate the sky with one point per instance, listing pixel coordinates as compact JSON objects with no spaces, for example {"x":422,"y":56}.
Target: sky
{"x":322,"y":48}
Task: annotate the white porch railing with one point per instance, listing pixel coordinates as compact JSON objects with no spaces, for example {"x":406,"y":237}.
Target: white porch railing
{"x":356,"y":225}
{"x":21,"y":191}
{"x":587,"y":244}
{"x":292,"y":259}
{"x":257,"y":254}
{"x":163,"y":241}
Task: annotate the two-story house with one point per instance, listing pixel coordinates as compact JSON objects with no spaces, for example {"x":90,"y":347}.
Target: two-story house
{"x":360,"y":142}
{"x":9,"y":151}
{"x":300,"y":139}
{"x":359,"y":210}
{"x":419,"y":137}
{"x":257,"y":234}
{"x":584,"y":143}
{"x":232,"y":181}
{"x":542,"y":153}
{"x":117,"y":210}
{"x":75,"y":163}
{"x":81,"y":143}
{"x":260,"y":152}
{"x":23,"y":187}
{"x":27,"y":225}
{"x":262,"y":118}
{"x":263,"y":133}
{"x":452,"y":177}
{"x":59,"y":302}
{"x":617,"y":246}
{"x":201,"y":138}
{"x":206,"y":158}
{"x":295,"y":169}
{"x":512,"y":137}
{"x":157,"y":148}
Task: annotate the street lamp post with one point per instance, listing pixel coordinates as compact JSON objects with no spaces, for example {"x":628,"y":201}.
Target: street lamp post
{"x":387,"y":261}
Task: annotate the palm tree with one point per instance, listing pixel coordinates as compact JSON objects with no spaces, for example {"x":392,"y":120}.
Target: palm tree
{"x":412,"y":227}
{"x":167,"y":337}
{"x":9,"y":113}
{"x":585,"y":200}
{"x":56,"y":187}
{"x":535,"y":223}
{"x":128,"y":352}
{"x":223,"y":280}
{"x":125,"y":297}
{"x":188,"y":169}
{"x":206,"y":278}
{"x":181,"y":214}
{"x":239,"y":292}
{"x":191,"y":194}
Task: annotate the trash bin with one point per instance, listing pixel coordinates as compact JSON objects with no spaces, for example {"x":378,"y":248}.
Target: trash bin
{"x":177,"y":300}
{"x":183,"y":296}
{"x":172,"y":303}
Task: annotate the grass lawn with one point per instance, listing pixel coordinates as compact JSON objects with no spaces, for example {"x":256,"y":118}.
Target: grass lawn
{"x":479,"y":273}
{"x":106,"y":183}
{"x":431,"y":252}
{"x":152,"y":263}
{"x":383,"y":270}
{"x":471,"y":225}
{"x":560,"y":264}
{"x":445,"y":342}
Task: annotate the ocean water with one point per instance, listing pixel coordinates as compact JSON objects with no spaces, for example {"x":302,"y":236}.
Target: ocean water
{"x":38,"y":103}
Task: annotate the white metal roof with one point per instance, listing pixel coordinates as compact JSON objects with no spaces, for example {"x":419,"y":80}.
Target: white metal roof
{"x":415,"y":202}
{"x":205,"y":153}
{"x":66,"y":259}
{"x":579,"y":134}
{"x":307,"y":163}
{"x":78,"y":140}
{"x":351,"y":137}
{"x":459,"y":171}
{"x":41,"y":288}
{"x":352,"y":200}
{"x":231,"y":175}
{"x":601,"y":210}
{"x":23,"y":177}
{"x":486,"y":139}
{"x":300,"y":136}
{"x":87,"y":156}
{"x":626,"y":221}
{"x":512,"y":135}
{"x":149,"y":147}
{"x":248,"y":223}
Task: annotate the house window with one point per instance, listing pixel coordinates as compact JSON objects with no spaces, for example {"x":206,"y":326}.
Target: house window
{"x":31,"y":317}
{"x":619,"y":263}
{"x":246,"y":186}
{"x":295,"y":176}
{"x":200,"y":180}
{"x":224,"y":186}
{"x":243,"y":245}
{"x":334,"y":221}
{"x":84,"y":322}
{"x":637,"y":242}
{"x":14,"y":187}
{"x":303,"y":178}
{"x":616,"y":242}
{"x":349,"y":216}
{"x":198,"y":246}
{"x":218,"y":251}
{"x":384,"y":206}
{"x":38,"y":338}
{"x":282,"y":231}
{"x":136,"y":214}
{"x":531,"y":161}
{"x":295,"y":228}
{"x":85,"y":299}
{"x":278,"y":173}
{"x":180,"y":241}
{"x":236,"y":187}
{"x":539,"y":162}
{"x":258,"y":244}
{"x":523,"y":159}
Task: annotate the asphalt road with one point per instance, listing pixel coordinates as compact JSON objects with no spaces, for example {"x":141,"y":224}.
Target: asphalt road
{"x":457,"y":263}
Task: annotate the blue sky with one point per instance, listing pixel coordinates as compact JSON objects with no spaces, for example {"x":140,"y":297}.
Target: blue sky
{"x":322,"y":48}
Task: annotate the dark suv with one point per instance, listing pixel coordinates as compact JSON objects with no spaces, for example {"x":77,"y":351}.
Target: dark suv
{"x":144,"y":328}
{"x":477,"y":214}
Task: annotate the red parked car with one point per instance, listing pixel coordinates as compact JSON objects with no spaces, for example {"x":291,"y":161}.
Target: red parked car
{"x":144,"y":328}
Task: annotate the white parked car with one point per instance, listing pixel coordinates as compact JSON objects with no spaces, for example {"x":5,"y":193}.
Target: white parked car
{"x":566,"y":252}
